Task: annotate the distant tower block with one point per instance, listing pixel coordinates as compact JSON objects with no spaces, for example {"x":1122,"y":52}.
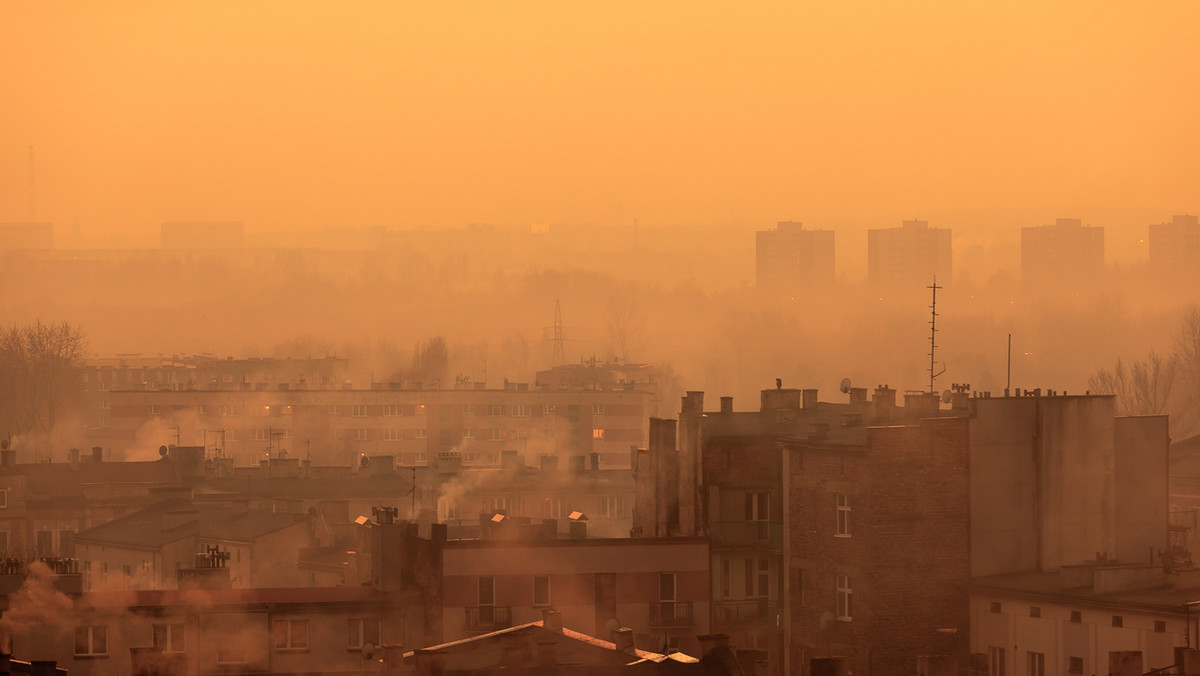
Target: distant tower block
{"x":559,"y":347}
{"x":906,"y":257}
{"x":790,"y":258}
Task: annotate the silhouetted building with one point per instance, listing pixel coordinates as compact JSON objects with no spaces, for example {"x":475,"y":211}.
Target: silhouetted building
{"x":907,"y":258}
{"x":16,"y":236}
{"x":1175,"y":246}
{"x":790,"y":258}
{"x":203,"y":235}
{"x":1067,"y":254}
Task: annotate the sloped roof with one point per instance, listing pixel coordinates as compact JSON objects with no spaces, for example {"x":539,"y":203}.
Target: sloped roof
{"x":144,"y":528}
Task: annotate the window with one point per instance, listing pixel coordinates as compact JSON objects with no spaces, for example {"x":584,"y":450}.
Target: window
{"x":666,"y":586}
{"x":392,"y":434}
{"x":487,"y":591}
{"x":261,"y":434}
{"x":66,"y":543}
{"x":468,"y":434}
{"x":152,"y":409}
{"x":541,"y":590}
{"x":1036,"y":663}
{"x":995,"y":661}
{"x":4,"y":545}
{"x":995,"y":606}
{"x":421,"y":457}
{"x":1035,"y":611}
{"x":169,"y":638}
{"x":758,"y":578}
{"x":614,"y":505}
{"x":227,"y":378}
{"x":597,"y":433}
{"x":3,"y":498}
{"x":361,"y":411}
{"x":229,"y":410}
{"x":422,"y":433}
{"x":843,"y":515}
{"x":468,"y":409}
{"x":362,"y":434}
{"x":201,"y":409}
{"x":334,"y":409}
{"x":495,"y":435}
{"x":844,"y":607}
{"x":522,"y":411}
{"x":1118,"y":621}
{"x":726,"y":578}
{"x":548,"y":409}
{"x":391,"y":410}
{"x":91,"y":640}
{"x":597,"y":409}
{"x":361,"y":632}
{"x":758,"y":505}
{"x":231,"y":656}
{"x":1074,"y":665}
{"x":419,"y":409}
{"x":291,"y":635}
{"x":554,"y":508}
{"x":104,"y":402}
{"x":1076,"y":616}
{"x":262,"y":411}
{"x":1160,"y":626}
{"x":495,"y":410}
{"x":44,"y":540}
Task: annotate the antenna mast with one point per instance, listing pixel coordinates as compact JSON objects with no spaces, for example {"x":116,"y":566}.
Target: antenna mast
{"x":933,"y":337}
{"x":559,"y":355}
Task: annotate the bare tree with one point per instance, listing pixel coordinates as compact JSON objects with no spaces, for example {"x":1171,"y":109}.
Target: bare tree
{"x":431,"y":361}
{"x":1187,"y":355}
{"x":40,"y":374}
{"x":626,"y":322}
{"x":1144,"y":388}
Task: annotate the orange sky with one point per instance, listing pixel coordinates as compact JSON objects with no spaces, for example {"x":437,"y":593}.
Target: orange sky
{"x":300,"y":114}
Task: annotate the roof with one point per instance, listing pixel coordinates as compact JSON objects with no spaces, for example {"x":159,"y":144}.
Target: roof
{"x":145,"y":528}
{"x":1158,"y":598}
{"x":66,"y":480}
{"x":488,"y":647}
{"x":228,"y":597}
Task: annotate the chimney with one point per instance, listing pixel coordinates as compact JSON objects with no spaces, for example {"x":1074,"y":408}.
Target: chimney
{"x":594,"y":463}
{"x":884,"y":402}
{"x":8,"y":456}
{"x":623,"y":638}
{"x":5,"y":662}
{"x":858,"y":395}
{"x":809,"y":398}
{"x":711,"y":643}
{"x":578,"y":530}
{"x":1125,"y":663}
{"x":97,"y":454}
{"x":726,"y":404}
{"x":73,"y":457}
{"x":552,"y":620}
{"x":430,"y":662}
{"x":393,"y":659}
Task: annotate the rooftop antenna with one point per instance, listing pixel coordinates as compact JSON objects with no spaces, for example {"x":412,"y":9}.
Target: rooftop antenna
{"x":32,"y":201}
{"x":559,"y":355}
{"x":933,"y":373}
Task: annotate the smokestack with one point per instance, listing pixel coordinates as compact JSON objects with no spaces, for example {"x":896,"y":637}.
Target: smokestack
{"x":551,"y":620}
{"x":809,"y":399}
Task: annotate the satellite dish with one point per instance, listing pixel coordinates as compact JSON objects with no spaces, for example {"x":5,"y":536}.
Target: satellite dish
{"x":162,"y":450}
{"x":946,"y":397}
{"x":364,"y":461}
{"x":845,"y":386}
{"x":4,"y":444}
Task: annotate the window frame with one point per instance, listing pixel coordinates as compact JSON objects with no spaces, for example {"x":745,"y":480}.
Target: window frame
{"x":91,"y":632}
{"x":291,"y":645}
{"x":845,"y":599}
{"x":356,"y":629}
{"x":545,"y":600}
{"x":171,"y":631}
{"x":842,"y":528}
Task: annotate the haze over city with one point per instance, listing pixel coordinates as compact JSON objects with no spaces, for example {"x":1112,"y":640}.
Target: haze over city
{"x":599,"y":337}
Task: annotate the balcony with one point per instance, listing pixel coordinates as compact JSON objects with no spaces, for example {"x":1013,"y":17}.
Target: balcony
{"x":664,"y":614}
{"x":483,"y":619}
{"x":746,"y":611}
{"x":756,"y":534}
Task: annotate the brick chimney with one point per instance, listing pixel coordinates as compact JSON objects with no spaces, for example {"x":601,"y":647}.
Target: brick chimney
{"x":623,"y":638}
{"x":551,"y":620}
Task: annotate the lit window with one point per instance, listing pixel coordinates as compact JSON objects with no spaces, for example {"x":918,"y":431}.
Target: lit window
{"x":419,"y":409}
{"x":844,"y":607}
{"x":597,"y":433}
{"x":362,"y":633}
{"x":91,"y":640}
{"x":291,"y":635}
{"x":843,"y":515}
{"x":169,"y":638}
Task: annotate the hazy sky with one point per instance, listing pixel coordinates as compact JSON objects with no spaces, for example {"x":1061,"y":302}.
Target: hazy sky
{"x":299,"y":114}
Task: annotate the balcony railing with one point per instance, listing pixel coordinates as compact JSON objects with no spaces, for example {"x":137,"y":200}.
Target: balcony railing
{"x":482,"y":619}
{"x":745,"y":611}
{"x":766,"y":534}
{"x":671,"y":614}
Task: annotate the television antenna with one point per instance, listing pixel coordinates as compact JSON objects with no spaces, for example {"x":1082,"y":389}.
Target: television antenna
{"x":933,"y":315}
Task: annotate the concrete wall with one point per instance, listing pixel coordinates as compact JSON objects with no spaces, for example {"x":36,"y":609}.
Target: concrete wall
{"x":1058,"y":638}
{"x":1142,"y":476}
